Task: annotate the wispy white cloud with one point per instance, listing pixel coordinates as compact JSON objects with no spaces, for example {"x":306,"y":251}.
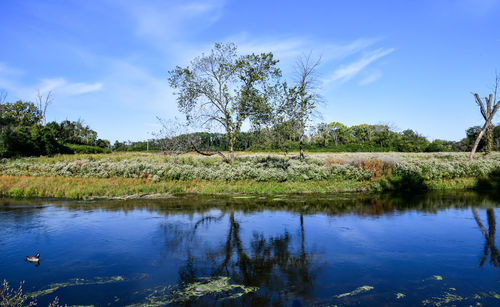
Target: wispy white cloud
{"x":10,"y":80}
{"x":283,"y":48}
{"x":371,"y":78}
{"x":347,"y":72}
{"x":162,"y":21}
{"x":65,"y":88}
{"x":341,"y":51}
{"x":286,"y":48}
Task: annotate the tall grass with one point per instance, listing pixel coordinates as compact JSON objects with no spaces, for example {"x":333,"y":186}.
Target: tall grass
{"x":112,"y":175}
{"x":88,"y":188}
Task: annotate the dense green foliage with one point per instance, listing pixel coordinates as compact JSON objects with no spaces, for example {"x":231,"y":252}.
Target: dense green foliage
{"x":333,"y":137}
{"x":22,"y":133}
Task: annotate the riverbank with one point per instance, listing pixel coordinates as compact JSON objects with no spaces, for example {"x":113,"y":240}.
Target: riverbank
{"x":143,"y":175}
{"x":133,"y":188}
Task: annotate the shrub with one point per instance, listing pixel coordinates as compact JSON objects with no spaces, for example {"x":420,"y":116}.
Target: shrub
{"x":358,"y":167}
{"x":87,"y":149}
{"x":14,"y":297}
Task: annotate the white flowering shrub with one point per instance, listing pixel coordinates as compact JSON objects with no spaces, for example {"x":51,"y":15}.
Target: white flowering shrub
{"x":352,"y":166}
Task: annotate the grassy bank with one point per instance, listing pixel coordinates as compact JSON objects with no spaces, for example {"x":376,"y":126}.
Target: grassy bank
{"x":89,"y":188}
{"x":155,"y":175}
{"x":84,"y":188}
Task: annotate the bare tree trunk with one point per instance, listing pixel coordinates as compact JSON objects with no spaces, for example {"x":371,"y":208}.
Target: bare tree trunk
{"x":478,"y":139}
{"x":489,"y":140}
{"x":301,"y":137}
{"x":488,"y":111}
{"x":43,"y":102}
{"x":301,"y":147}
{"x":231,"y":151}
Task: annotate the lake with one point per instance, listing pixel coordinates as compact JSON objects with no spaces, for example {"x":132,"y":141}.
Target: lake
{"x":364,"y":250}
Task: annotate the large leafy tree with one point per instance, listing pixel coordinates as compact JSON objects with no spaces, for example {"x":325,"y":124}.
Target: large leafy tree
{"x":339,"y":133}
{"x":22,"y":133}
{"x":15,"y":121}
{"x":225,"y":89}
{"x":19,"y":114}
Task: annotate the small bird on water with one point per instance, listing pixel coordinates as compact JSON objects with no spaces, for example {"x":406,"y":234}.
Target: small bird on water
{"x":35,"y":258}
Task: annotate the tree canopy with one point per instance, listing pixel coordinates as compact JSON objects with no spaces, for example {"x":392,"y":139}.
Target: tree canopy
{"x":225,"y":89}
{"x":23,"y":133}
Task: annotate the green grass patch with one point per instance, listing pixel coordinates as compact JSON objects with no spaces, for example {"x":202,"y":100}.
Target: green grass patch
{"x":88,"y":188}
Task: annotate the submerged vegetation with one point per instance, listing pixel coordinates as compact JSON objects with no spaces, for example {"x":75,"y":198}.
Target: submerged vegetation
{"x":115,"y":175}
{"x":75,"y":282}
{"x":356,"y":291}
{"x":220,"y":288}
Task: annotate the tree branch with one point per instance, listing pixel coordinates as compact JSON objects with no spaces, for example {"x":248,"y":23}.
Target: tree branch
{"x":481,"y":105}
{"x":208,"y":153}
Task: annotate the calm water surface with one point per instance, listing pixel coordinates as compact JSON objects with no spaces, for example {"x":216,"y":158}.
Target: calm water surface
{"x":330,"y":250}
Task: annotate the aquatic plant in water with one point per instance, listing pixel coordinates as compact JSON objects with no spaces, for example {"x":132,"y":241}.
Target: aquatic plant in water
{"x":356,"y":291}
{"x":445,"y":299}
{"x":210,"y":286}
{"x":220,"y":286}
{"x":76,"y":282}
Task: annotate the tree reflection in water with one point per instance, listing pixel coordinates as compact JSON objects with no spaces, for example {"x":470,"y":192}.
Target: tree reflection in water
{"x":281,"y":270}
{"x":489,"y":244}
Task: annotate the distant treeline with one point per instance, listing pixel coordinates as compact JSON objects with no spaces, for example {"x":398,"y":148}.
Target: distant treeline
{"x":332,"y":137}
{"x":23,"y":132}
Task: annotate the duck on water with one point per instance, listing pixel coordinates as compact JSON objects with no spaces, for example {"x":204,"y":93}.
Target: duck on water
{"x":35,"y":258}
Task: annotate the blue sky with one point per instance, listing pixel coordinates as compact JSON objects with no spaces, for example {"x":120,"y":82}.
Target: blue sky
{"x":410,"y":64}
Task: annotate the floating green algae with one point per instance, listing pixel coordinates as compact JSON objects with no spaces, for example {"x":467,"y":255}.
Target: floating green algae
{"x":437,"y":277}
{"x":446,"y":298}
{"x":356,"y":291}
{"x":159,"y":296}
{"x":220,"y":286}
{"x":451,"y":299}
{"x":400,"y":295}
{"x":491,"y":294}
{"x":211,"y":286}
{"x":76,"y":282}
